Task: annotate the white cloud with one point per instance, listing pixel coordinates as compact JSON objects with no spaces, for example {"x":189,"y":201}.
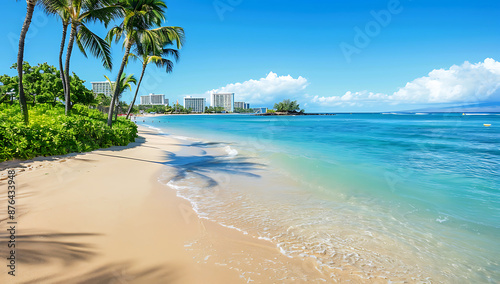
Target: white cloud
{"x":467,"y":83}
{"x":351,"y":97}
{"x":265,"y":90}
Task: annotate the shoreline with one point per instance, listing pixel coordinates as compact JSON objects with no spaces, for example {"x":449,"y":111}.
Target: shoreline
{"x":89,"y":217}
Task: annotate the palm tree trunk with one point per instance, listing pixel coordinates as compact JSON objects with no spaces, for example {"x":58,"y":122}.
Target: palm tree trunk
{"x":61,"y":51}
{"x":136,"y":90}
{"x":20,"y":58}
{"x":116,"y":109}
{"x":67,"y":93}
{"x":3,"y":98}
{"x":117,"y":90}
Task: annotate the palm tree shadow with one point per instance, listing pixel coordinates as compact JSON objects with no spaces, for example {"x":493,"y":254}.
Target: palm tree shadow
{"x":206,"y":144}
{"x":124,"y":273}
{"x":40,"y":249}
{"x":204,"y":165}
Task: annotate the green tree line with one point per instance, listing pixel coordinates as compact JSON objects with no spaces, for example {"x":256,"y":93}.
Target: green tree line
{"x":42,"y":84}
{"x":175,"y":109}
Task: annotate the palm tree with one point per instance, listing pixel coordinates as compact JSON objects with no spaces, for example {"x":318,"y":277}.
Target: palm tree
{"x":121,"y":86}
{"x":79,"y":14}
{"x":63,"y":13}
{"x":141,"y":16}
{"x":20,"y":57}
{"x":153,"y":55}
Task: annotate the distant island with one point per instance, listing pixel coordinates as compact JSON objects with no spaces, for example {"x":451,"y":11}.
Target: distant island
{"x":289,"y":107}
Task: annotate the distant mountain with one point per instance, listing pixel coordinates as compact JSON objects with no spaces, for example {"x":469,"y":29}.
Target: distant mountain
{"x":480,"y":107}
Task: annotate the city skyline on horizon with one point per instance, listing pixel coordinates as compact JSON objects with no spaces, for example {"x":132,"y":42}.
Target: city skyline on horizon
{"x":152,"y":99}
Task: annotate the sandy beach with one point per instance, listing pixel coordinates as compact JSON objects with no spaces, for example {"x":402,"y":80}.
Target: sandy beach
{"x":103,"y":217}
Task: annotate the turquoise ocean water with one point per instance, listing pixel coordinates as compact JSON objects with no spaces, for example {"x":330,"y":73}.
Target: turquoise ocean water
{"x":387,"y":196}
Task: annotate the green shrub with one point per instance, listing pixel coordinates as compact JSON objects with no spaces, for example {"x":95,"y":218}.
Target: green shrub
{"x":50,"y":132}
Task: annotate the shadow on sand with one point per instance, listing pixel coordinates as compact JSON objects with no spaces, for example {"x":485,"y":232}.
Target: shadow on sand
{"x":202,"y":165}
{"x":117,"y":273}
{"x":41,"y":249}
{"x":205,"y":165}
{"x":23,"y":164}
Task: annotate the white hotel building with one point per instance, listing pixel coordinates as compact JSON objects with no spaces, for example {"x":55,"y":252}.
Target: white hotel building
{"x":196,"y":104}
{"x":102,"y":88}
{"x":153,"y":99}
{"x":242,"y":105}
{"x":225,"y":100}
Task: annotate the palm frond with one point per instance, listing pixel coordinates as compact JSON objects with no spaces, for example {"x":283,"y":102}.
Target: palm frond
{"x":127,"y":82}
{"x":133,"y":57}
{"x":124,"y":83}
{"x":96,"y":45}
{"x":144,"y":14}
{"x":171,"y":34}
{"x":162,"y":62}
{"x":95,"y":4}
{"x":64,"y":15}
{"x":53,"y":6}
{"x":171,"y":52}
{"x":115,"y":33}
{"x":80,"y":46}
{"x":111,"y":85}
{"x":103,"y":14}
{"x":148,"y":39}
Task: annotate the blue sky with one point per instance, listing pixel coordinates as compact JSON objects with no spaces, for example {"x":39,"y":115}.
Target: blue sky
{"x":329,"y":55}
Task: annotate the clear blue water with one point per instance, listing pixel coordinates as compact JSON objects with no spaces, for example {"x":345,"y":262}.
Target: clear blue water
{"x":420,"y":192}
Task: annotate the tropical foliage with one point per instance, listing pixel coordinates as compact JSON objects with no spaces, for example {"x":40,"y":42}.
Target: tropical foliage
{"x":42,"y":84}
{"x":50,"y":132}
{"x":287,"y":106}
{"x":175,"y":109}
{"x":211,"y":109}
{"x":156,"y":109}
{"x":243,"y":110}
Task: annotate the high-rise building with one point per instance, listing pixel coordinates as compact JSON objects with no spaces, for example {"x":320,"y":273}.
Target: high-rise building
{"x":225,"y":100}
{"x":102,"y":88}
{"x":153,"y":99}
{"x":196,"y":104}
{"x":239,"y":104}
{"x":242,"y":105}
